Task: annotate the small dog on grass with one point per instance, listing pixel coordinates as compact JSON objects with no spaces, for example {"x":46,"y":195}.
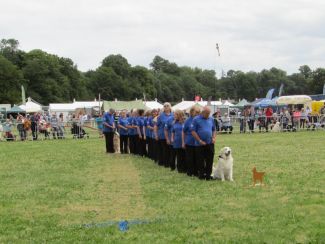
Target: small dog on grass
{"x":116,"y":142}
{"x":224,"y":168}
{"x":276,"y":127}
{"x":257,"y":176}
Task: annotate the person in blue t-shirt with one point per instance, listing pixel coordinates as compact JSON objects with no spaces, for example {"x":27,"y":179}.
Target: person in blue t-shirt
{"x":177,"y":140}
{"x":190,"y":142}
{"x":133,"y":134}
{"x":154,"y":142}
{"x":160,"y":134}
{"x":204,"y":132}
{"x":108,"y":130}
{"x":141,"y":133}
{"x":170,"y":153}
{"x":122,"y":125}
{"x":148,"y":131}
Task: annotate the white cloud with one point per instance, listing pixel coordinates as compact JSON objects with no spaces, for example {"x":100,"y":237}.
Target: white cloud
{"x":252,"y":34}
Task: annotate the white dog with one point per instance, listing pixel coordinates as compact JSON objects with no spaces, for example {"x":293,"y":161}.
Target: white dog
{"x":223,"y":171}
{"x":276,"y":127}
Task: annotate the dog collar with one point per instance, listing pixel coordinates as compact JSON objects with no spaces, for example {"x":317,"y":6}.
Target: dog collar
{"x":221,"y":157}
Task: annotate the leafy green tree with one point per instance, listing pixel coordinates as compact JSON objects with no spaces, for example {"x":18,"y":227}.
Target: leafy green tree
{"x":10,"y":81}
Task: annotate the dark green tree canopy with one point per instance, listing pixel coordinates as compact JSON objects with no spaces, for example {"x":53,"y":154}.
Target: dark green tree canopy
{"x":50,"y":78}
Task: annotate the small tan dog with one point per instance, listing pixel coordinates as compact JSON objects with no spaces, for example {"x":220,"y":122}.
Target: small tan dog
{"x":116,"y":142}
{"x":257,"y":176}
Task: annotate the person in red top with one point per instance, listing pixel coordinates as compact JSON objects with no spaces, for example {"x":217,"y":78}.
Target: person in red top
{"x":268,"y":115}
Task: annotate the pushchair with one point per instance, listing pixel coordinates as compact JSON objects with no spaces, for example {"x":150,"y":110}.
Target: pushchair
{"x":78,"y":132}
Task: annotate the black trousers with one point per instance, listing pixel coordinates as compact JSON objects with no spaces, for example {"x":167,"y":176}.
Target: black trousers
{"x":190,"y":156}
{"x":34,"y":131}
{"x":171,"y":157}
{"x":133,"y":143}
{"x":149,"y":147}
{"x":162,"y":150}
{"x":109,"y":136}
{"x":124,"y":144}
{"x":155,"y":150}
{"x":180,"y":158}
{"x":141,"y":144}
{"x":204,"y":160}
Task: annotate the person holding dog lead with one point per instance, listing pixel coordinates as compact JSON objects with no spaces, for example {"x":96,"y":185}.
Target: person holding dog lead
{"x":108,"y":130}
{"x":204,"y":131}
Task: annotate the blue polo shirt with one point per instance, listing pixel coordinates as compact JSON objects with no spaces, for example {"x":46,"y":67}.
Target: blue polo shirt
{"x":109,"y":119}
{"x":124,"y":122}
{"x":140,"y":124}
{"x":161,"y":121}
{"x":169,"y":126}
{"x":177,"y":130}
{"x":204,"y":128}
{"x":132,"y":132}
{"x":189,"y":139}
{"x":146,"y":124}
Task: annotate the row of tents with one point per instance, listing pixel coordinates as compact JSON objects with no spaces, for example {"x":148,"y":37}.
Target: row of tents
{"x":94,"y":107}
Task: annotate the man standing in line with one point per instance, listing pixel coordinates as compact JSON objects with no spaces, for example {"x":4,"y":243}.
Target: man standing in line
{"x":108,"y":130}
{"x":204,"y":131}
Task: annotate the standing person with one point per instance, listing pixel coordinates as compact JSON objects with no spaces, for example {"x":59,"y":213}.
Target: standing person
{"x":27,"y":126}
{"x":141,"y":129}
{"x":20,"y":127}
{"x":34,"y":126}
{"x":55,"y":126}
{"x":122,"y":125}
{"x":303,"y":118}
{"x":147,"y":118}
{"x":190,"y":142}
{"x":61,"y":127}
{"x":177,"y":140}
{"x":268,"y":115}
{"x":108,"y":130}
{"x":204,"y":131}
{"x":171,"y":152}
{"x":152,"y":122}
{"x":133,"y":131}
{"x":251,"y":121}
{"x":160,"y":134}
{"x":99,"y":122}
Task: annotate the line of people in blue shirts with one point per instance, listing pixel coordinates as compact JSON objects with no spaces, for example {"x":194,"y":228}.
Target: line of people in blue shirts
{"x":166,"y":137}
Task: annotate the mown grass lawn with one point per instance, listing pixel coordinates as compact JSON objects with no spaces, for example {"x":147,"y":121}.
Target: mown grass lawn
{"x":49,"y":189}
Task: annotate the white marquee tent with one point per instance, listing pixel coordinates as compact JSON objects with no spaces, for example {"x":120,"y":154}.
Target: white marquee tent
{"x":31,"y":106}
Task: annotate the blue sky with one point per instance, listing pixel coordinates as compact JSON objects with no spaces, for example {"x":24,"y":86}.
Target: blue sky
{"x":252,"y":34}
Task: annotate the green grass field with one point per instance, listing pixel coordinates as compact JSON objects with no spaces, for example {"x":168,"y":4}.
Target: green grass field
{"x":49,"y":189}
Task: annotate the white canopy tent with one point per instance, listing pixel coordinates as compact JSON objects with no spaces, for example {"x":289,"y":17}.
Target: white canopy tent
{"x":227,"y":103}
{"x":186,"y":105}
{"x":31,"y":106}
{"x":296,"y":99}
{"x":153,"y":104}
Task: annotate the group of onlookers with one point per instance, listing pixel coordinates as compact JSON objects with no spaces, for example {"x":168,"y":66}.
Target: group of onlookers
{"x":289,"y":119}
{"x":168,"y":138}
{"x":31,"y":126}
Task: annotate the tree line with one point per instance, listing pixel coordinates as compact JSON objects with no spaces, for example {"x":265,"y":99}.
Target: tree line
{"x":49,"y":78}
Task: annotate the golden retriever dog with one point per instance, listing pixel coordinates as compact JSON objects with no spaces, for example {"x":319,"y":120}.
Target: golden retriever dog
{"x":224,"y":168}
